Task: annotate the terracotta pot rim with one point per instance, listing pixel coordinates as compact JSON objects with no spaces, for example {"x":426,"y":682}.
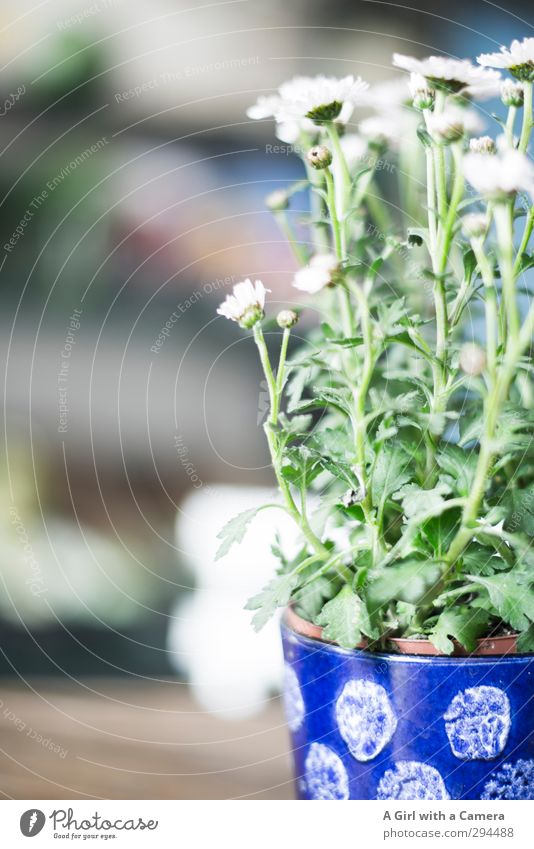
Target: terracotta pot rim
{"x":486,"y":646}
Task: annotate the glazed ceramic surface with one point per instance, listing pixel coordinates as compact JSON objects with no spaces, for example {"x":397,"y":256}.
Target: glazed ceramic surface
{"x":389,"y":726}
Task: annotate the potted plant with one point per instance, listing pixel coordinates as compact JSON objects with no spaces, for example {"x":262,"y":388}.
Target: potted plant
{"x":400,"y":434}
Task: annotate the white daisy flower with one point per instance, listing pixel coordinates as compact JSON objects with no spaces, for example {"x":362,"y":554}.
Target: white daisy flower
{"x":387,"y":95}
{"x":317,"y":274}
{"x":321,"y":98}
{"x":475,"y":224}
{"x":317,"y":99}
{"x":482,"y":144}
{"x":287,"y":130}
{"x":454,"y":75}
{"x":265,"y":107}
{"x":500,"y":176}
{"x":472,"y":359}
{"x":518,"y":59}
{"x":246,"y":303}
{"x":354,"y":149}
{"x":381,"y":129}
{"x":453,"y":123}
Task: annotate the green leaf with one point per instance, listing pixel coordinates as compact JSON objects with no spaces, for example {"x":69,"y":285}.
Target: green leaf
{"x":482,"y":560}
{"x":390,"y":472}
{"x":511,"y":596}
{"x":276,"y":594}
{"x":348,"y":341}
{"x":296,"y":387}
{"x":344,"y":618}
{"x":409,"y":581}
{"x":527,"y":261}
{"x":234,"y":531}
{"x":519,"y":504}
{"x":464,"y":624}
{"x":328,"y":332}
{"x":460,"y":466}
{"x":440,"y":531}
{"x":311,"y":598}
{"x":301,"y":465}
{"x":470,"y":263}
{"x":417,"y":500}
{"x":334,"y":443}
{"x":525,"y":641}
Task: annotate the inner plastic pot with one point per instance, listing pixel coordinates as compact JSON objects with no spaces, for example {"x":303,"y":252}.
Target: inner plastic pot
{"x":496,"y":646}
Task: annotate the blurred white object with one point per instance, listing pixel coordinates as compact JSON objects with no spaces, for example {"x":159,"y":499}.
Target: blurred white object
{"x":232,"y":669}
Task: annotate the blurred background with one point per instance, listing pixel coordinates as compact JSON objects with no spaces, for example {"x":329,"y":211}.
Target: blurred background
{"x":131,"y":200}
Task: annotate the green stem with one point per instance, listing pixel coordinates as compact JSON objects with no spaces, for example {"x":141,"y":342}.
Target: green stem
{"x":340,"y":158}
{"x":440,"y":256}
{"x":359,"y":419}
{"x":283,"y":222}
{"x":331,"y":202}
{"x":527,"y":232}
{"x":318,"y":236}
{"x":431,"y":203}
{"x":487,"y":454}
{"x":281,"y":370}
{"x":274,"y":448}
{"x":527,"y":118}
{"x":491,"y":306}
{"x":505,"y":236}
{"x":510,"y":122}
{"x":439,"y":162}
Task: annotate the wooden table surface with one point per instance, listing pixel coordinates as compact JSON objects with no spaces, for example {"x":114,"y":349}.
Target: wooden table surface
{"x":111,"y":739}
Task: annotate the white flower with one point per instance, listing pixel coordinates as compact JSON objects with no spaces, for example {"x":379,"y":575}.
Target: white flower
{"x":265,"y":107}
{"x":472,"y":359}
{"x":320,"y":98}
{"x":246,"y":303}
{"x":500,"y":176}
{"x":475,"y":224}
{"x":287,"y":130}
{"x":453,"y":123}
{"x":518,"y":59}
{"x":381,"y":129}
{"x":455,"y":75}
{"x":317,"y":274}
{"x":354,"y":149}
{"x":303,"y":98}
{"x":482,"y":144}
{"x":512,"y":94}
{"x":387,"y":95}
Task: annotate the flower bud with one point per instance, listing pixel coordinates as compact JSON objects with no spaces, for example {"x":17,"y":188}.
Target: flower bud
{"x":319,"y":157}
{"x":482,"y":144}
{"x":472,"y":359}
{"x":423,"y":96}
{"x":512,"y":93}
{"x":453,"y":123}
{"x":475,"y":225}
{"x":287,"y":318}
{"x":277,"y":201}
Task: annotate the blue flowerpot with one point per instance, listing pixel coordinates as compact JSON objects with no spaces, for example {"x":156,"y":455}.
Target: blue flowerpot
{"x":393,"y":726}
